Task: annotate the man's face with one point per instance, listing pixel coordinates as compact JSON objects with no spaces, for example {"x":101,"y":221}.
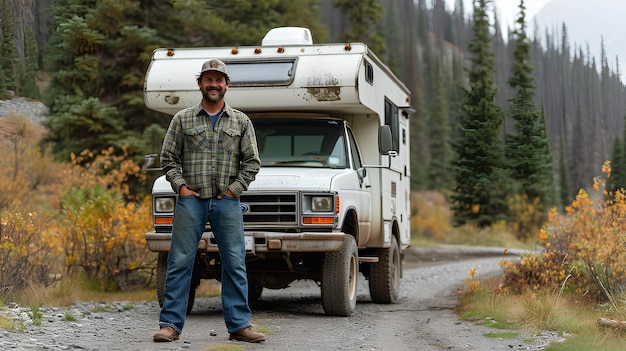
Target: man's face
{"x":213,"y":86}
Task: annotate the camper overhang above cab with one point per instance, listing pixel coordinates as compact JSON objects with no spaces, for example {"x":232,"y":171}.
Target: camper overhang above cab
{"x":293,"y":76}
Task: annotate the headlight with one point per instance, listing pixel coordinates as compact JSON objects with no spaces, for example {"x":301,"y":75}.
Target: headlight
{"x":164,"y":204}
{"x":322,"y":204}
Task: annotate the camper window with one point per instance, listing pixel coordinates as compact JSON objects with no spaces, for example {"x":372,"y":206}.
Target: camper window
{"x":391,"y":119}
{"x":261,"y":73}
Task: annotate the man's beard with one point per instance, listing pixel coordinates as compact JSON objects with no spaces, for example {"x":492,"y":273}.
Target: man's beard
{"x":209,"y":98}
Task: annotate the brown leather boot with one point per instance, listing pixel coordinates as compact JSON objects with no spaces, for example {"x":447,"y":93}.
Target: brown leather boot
{"x":247,"y":335}
{"x":166,"y":334}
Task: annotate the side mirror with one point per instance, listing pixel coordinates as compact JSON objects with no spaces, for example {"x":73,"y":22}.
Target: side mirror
{"x":151,"y":163}
{"x":151,"y":160}
{"x":385,"y":141}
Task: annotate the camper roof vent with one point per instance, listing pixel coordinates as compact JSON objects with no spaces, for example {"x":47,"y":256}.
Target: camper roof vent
{"x":288,"y":36}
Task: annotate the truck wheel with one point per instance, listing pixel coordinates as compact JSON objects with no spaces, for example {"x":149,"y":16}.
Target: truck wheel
{"x":255,"y":289}
{"x":339,"y":279}
{"x":195,"y":282}
{"x":160,"y":277}
{"x":385,"y":275}
{"x":160,"y":282}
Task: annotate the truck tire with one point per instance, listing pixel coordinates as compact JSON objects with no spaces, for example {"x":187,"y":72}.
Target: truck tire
{"x":195,"y":282}
{"x":384,"y":279}
{"x":161,"y":273}
{"x":255,"y":290}
{"x":339,"y":279}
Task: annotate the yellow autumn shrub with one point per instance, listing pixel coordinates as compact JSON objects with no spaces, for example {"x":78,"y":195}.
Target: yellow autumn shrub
{"x":84,"y":217}
{"x":583,"y":249}
{"x":431,"y":217}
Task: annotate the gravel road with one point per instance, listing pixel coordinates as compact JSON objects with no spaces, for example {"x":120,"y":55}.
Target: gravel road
{"x":423,"y":318}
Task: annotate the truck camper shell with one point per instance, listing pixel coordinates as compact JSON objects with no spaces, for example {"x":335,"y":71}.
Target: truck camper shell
{"x":342,"y":78}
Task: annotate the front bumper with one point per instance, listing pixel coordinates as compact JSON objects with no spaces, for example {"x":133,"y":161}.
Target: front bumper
{"x":260,"y":242}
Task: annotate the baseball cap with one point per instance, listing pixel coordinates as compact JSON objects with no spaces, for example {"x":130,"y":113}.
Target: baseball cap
{"x":214,"y":65}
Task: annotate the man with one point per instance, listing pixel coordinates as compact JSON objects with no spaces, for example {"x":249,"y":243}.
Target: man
{"x":209,"y":156}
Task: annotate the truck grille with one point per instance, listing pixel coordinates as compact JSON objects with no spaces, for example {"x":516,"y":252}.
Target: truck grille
{"x":270,"y":209}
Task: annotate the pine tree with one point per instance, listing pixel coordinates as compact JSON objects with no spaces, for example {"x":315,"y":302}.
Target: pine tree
{"x":237,"y":23}
{"x":565,"y":191}
{"x":97,"y":59}
{"x":28,"y":75}
{"x":365,"y":18}
{"x":617,"y":167}
{"x":481,"y":176}
{"x":439,"y":172}
{"x":618,"y":163}
{"x":527,"y":151}
{"x":8,"y":52}
{"x":420,"y":155}
{"x":101,"y":49}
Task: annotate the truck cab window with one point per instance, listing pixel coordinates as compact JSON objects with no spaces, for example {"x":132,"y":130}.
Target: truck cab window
{"x":354,"y":151}
{"x":301,"y":142}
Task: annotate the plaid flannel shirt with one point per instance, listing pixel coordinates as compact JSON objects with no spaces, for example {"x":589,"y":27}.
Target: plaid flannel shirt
{"x":210,"y":160}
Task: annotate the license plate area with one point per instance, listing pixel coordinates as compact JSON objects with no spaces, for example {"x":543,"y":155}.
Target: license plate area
{"x":249,"y":243}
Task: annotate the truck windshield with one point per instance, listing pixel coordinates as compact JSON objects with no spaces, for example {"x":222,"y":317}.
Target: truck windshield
{"x":298,"y":142}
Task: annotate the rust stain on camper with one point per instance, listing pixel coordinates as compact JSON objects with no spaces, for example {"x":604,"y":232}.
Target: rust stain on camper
{"x":325,"y":93}
{"x":172,"y":100}
{"x":324,"y":88}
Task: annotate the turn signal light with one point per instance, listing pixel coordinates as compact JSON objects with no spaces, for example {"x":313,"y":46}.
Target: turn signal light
{"x":318,"y":220}
{"x":163,"y":220}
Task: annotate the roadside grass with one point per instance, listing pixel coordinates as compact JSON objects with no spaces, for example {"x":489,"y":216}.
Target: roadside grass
{"x":501,"y":335}
{"x":431,"y":220}
{"x":36,"y":315}
{"x":68,"y":316}
{"x":496,"y":236}
{"x":573,"y":320}
{"x":7,"y":323}
{"x":66,"y":292}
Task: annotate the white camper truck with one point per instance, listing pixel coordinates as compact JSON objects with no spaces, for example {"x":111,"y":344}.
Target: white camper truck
{"x":331,"y":200}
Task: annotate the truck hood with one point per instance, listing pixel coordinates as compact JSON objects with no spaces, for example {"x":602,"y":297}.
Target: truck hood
{"x":283,"y":178}
{"x":279,"y":178}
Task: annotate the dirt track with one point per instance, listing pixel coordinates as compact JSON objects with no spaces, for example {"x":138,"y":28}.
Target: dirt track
{"x":423,"y":318}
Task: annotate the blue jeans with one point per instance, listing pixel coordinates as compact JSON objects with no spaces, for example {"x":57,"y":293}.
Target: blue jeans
{"x":190,"y":217}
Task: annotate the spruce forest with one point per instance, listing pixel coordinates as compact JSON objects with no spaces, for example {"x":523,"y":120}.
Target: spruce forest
{"x":86,"y":59}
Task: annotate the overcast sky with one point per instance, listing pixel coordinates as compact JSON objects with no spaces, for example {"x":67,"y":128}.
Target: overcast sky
{"x":508,"y":9}
{"x":588,"y":22}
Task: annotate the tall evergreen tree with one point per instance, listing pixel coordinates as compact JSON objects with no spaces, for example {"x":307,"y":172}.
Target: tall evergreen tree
{"x":564,"y":188}
{"x":618,"y":163}
{"x":8,"y":52}
{"x":101,"y":49}
{"x":365,"y":18}
{"x":617,"y":167}
{"x":97,"y":58}
{"x":235,"y":23}
{"x":418,"y":82}
{"x":527,"y":151}
{"x":439,"y":171}
{"x":28,"y":74}
{"x":480,"y":170}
